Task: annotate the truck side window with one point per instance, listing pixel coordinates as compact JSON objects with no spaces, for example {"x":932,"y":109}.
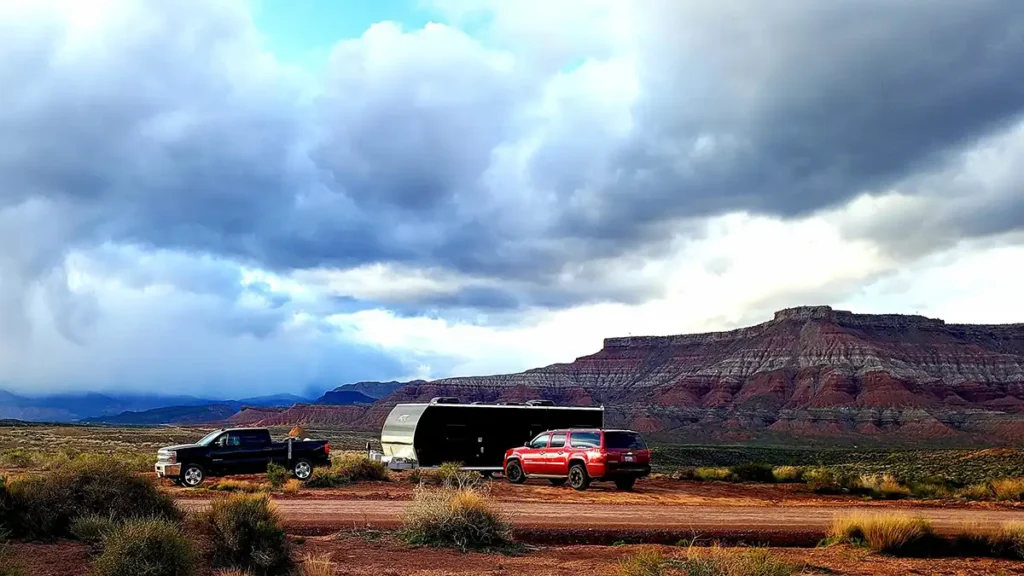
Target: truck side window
{"x":233,"y":440}
{"x":558,"y":440}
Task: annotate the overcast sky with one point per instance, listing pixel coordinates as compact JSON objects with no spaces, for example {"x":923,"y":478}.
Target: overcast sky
{"x":235,"y":198}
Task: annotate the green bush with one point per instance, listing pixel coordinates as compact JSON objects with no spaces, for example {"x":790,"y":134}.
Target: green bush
{"x":151,"y":546}
{"x":753,"y":473}
{"x":783,"y":474}
{"x":93,"y":528}
{"x":721,"y":474}
{"x":47,"y":505}
{"x":360,"y":468}
{"x":324,"y":477}
{"x":454,"y":517}
{"x":824,"y":480}
{"x":244,"y":531}
{"x":277,"y":475}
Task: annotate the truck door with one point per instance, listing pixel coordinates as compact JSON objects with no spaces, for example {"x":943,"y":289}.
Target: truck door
{"x":557,"y":458}
{"x":256,"y":450}
{"x":226,"y":454}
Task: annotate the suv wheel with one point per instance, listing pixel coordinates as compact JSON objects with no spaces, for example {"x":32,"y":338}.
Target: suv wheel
{"x":557,"y":481}
{"x":578,"y":477}
{"x":625,"y":483}
{"x":302,"y":469}
{"x":514,"y":472}
{"x":192,"y":475}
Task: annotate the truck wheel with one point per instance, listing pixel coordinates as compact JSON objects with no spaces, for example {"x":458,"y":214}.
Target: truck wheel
{"x":192,"y":475}
{"x":302,"y":469}
{"x":578,"y":477}
{"x":514,"y":473}
{"x":625,"y":483}
{"x":557,"y":481}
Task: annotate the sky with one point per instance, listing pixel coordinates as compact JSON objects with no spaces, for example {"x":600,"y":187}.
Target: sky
{"x":231,"y":198}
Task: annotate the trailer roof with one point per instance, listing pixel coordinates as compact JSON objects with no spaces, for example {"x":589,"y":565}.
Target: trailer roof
{"x":537,"y":407}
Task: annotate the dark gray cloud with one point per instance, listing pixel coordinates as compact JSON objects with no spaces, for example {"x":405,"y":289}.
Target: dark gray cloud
{"x":176,"y":132}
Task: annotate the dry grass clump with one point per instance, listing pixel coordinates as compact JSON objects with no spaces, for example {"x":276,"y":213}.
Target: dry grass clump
{"x":706,"y":473}
{"x":243,"y":531}
{"x":154,"y":547}
{"x":896,"y":534}
{"x":712,"y":561}
{"x":228,"y":485}
{"x":348,"y":469}
{"x":1006,"y":542}
{"x":316,"y":566}
{"x":292,"y":486}
{"x":447,"y":475}
{"x":454,"y":517}
{"x":787,"y":474}
{"x":1008,"y":488}
{"x":881,"y":486}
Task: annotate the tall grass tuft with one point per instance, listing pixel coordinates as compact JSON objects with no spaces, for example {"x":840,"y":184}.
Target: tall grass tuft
{"x":896,"y":534}
{"x":721,"y":474}
{"x":1008,"y":488}
{"x":786,"y":474}
{"x":152,"y":546}
{"x":454,"y":517}
{"x":648,"y":561}
{"x":244,"y":531}
{"x":316,"y":566}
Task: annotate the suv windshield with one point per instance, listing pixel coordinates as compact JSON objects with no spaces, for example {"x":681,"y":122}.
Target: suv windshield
{"x":624,"y":440}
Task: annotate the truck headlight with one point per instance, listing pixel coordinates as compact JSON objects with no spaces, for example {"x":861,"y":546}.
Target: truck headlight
{"x":172,"y":457}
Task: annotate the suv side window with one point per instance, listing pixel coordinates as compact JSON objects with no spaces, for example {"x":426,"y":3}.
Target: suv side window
{"x":540,"y":441}
{"x":585,"y":440}
{"x":558,"y":440}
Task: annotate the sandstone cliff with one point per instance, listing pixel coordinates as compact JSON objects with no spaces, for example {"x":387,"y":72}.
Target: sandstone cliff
{"x":810,"y":372}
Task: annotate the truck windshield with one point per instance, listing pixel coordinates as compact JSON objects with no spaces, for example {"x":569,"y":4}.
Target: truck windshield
{"x":624,"y":440}
{"x":208,"y":438}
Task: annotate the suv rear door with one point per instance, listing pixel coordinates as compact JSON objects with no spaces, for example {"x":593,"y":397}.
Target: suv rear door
{"x":626,"y":448}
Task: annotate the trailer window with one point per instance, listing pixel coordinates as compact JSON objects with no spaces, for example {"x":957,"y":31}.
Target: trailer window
{"x":540,"y":441}
{"x":558,"y":440}
{"x":585,"y":440}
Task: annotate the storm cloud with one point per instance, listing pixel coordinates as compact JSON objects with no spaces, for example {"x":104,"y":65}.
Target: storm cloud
{"x":546,"y":175}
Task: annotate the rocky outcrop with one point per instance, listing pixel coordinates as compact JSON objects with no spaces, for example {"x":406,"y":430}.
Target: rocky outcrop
{"x":808,"y":372}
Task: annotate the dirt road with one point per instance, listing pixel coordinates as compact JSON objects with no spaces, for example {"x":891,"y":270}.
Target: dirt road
{"x":577,"y":522}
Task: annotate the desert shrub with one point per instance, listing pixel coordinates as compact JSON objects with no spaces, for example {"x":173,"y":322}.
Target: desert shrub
{"x":895,"y":534}
{"x":244,"y":531}
{"x":325,"y":477}
{"x":292,"y":486}
{"x":277,"y":475}
{"x":980,"y":491}
{"x":1008,"y":488}
{"x":718,"y":561}
{"x":687,"y":473}
{"x":880,"y":486}
{"x":705,"y":473}
{"x":228,"y":485}
{"x":929,"y":490}
{"x":1008,"y":541}
{"x":46,"y":506}
{"x":786,"y":474}
{"x":825,"y":480}
{"x":359,"y":468}
{"x":753,"y":473}
{"x":93,"y":528}
{"x":456,"y":517}
{"x":447,"y":475}
{"x":18,"y":458}
{"x":644,"y":562}
{"x":150,"y":546}
{"x":316,"y":566}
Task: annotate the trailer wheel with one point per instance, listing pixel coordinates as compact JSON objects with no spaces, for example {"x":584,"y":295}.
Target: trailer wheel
{"x":557,"y":481}
{"x":578,"y":477}
{"x":514,"y":473}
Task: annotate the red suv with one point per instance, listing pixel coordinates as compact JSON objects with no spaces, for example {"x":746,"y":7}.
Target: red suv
{"x":581,"y":456}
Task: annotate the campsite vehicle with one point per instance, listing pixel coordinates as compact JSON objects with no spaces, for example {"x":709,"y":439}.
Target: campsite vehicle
{"x":477,"y":435}
{"x":239,"y":451}
{"x":581,"y":456}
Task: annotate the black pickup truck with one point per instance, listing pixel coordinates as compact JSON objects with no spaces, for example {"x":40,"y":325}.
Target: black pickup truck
{"x":239,"y":451}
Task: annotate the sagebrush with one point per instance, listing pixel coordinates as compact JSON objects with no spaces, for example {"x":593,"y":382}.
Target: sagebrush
{"x":456,"y":517}
{"x":151,"y":547}
{"x":244,"y":531}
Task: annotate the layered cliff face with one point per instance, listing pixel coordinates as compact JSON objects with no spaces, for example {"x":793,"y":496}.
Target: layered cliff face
{"x":809,"y":372}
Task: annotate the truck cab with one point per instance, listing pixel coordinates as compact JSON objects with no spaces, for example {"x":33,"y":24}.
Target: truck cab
{"x":231,"y":451}
{"x":581,"y":456}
